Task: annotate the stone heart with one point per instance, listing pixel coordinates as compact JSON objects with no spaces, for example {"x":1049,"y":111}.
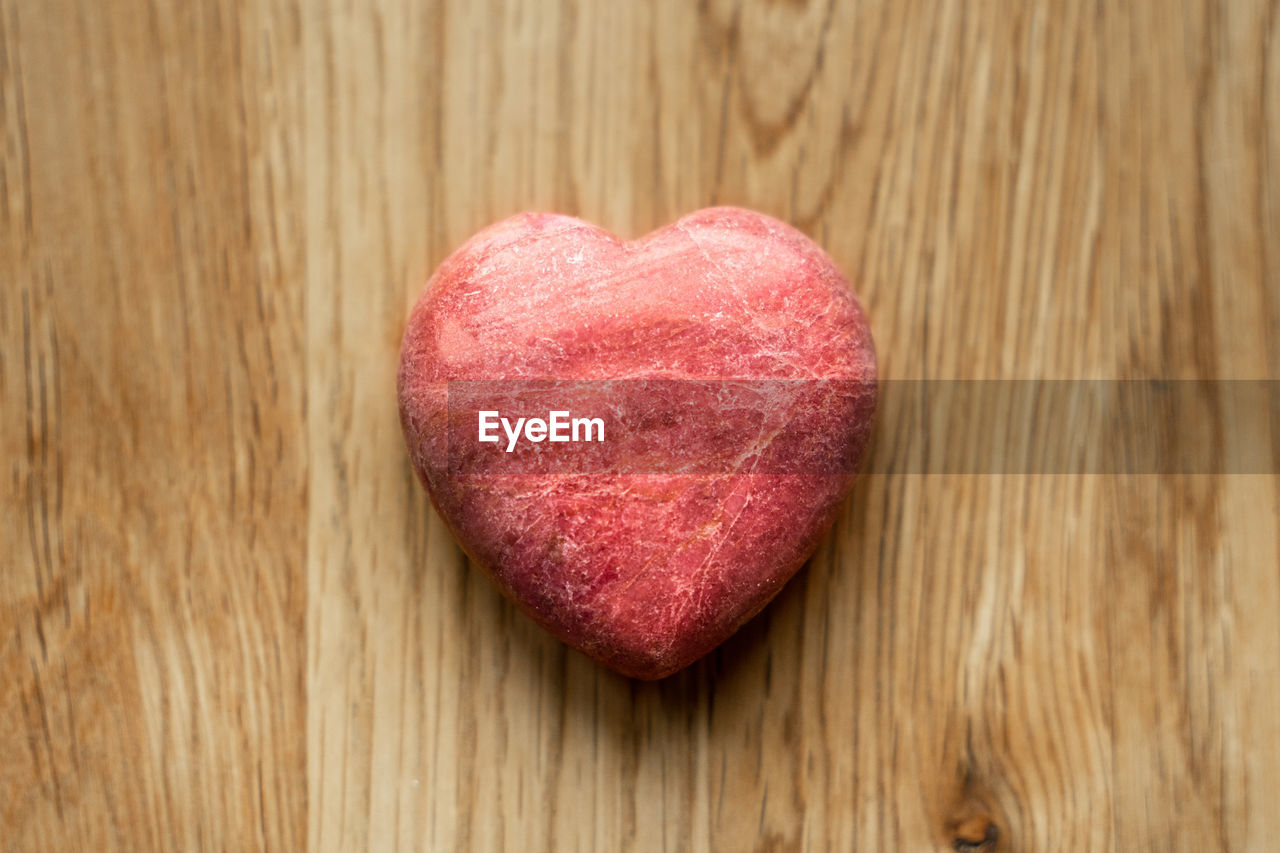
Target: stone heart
{"x":733,"y":374}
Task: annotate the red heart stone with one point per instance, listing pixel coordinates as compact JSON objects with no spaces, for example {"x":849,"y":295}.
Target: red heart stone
{"x":733,"y":373}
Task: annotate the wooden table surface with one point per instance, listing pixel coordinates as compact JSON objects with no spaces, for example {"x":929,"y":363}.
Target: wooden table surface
{"x":229,"y":618}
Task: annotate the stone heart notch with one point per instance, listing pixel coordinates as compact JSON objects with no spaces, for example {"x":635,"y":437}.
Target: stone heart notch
{"x":734,"y":377}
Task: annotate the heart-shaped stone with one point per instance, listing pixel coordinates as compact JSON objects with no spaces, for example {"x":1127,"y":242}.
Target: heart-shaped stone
{"x":732,"y":373}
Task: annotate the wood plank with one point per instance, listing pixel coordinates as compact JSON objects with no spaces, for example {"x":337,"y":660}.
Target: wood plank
{"x":151,"y":366}
{"x":233,"y":620}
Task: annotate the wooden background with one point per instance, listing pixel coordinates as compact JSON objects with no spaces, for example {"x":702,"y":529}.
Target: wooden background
{"x":230,"y":620}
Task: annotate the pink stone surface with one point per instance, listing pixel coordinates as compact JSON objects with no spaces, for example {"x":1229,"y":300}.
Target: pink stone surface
{"x":644,"y":570}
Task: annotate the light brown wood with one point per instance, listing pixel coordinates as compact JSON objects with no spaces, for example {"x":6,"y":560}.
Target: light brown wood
{"x":230,"y":620}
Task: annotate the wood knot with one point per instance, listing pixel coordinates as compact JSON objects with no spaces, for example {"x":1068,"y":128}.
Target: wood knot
{"x":977,"y":832}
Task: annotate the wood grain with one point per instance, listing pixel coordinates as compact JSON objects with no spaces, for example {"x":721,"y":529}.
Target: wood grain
{"x":230,"y":620}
